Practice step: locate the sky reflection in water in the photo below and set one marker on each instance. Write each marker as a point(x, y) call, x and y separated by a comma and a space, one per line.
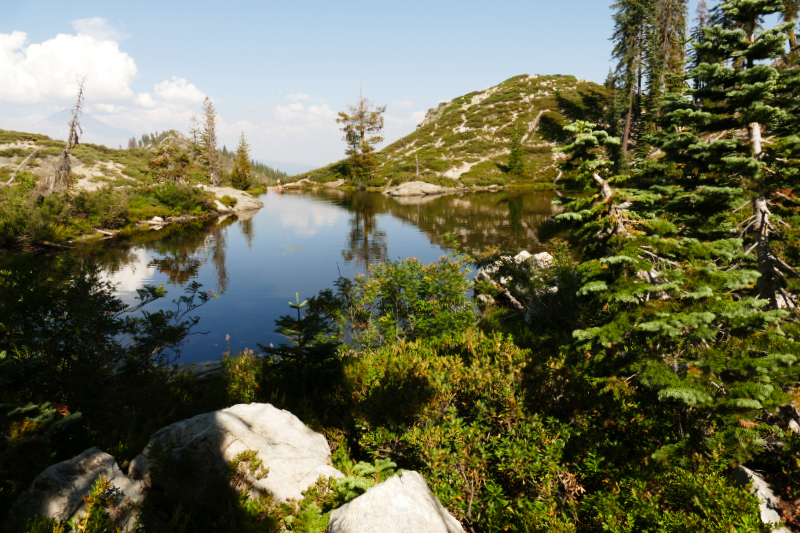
point(301, 243)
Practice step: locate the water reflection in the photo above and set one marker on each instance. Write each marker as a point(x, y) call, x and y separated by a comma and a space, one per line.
point(366, 243)
point(507, 220)
point(297, 243)
point(219, 255)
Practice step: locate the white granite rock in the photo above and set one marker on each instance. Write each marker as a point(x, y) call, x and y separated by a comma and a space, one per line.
point(295, 455)
point(401, 504)
point(418, 188)
point(767, 501)
point(58, 491)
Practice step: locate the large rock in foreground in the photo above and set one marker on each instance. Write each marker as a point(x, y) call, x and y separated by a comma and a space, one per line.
point(768, 502)
point(418, 188)
point(401, 504)
point(58, 491)
point(295, 455)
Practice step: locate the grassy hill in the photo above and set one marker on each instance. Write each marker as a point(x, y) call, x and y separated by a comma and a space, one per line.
point(113, 189)
point(466, 141)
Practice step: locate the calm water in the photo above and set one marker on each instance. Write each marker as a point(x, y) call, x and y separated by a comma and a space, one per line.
point(301, 243)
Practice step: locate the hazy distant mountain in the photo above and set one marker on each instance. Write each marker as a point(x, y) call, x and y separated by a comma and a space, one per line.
point(94, 131)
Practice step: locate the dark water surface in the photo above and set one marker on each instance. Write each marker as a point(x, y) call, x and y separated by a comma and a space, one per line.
point(301, 242)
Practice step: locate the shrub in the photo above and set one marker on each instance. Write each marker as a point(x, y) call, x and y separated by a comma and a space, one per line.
point(228, 201)
point(104, 208)
point(77, 370)
point(402, 300)
point(672, 501)
point(25, 180)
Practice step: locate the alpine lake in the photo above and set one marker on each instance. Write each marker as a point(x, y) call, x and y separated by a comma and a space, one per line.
point(301, 242)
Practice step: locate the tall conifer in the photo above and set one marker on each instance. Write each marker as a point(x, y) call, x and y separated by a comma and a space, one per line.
point(208, 143)
point(691, 293)
point(241, 175)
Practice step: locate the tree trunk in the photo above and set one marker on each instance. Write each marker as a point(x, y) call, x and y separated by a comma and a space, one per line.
point(616, 213)
point(61, 178)
point(626, 134)
point(768, 283)
point(755, 140)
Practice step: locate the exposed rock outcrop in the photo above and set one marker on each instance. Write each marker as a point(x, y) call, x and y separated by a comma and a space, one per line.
point(502, 273)
point(58, 491)
point(418, 188)
point(401, 504)
point(244, 201)
point(295, 455)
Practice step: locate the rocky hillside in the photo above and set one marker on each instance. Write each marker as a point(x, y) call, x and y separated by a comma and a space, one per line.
point(468, 139)
point(95, 166)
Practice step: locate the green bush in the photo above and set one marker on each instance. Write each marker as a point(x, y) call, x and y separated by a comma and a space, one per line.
point(228, 201)
point(169, 199)
point(104, 208)
point(25, 180)
point(77, 370)
point(402, 300)
point(673, 501)
point(26, 216)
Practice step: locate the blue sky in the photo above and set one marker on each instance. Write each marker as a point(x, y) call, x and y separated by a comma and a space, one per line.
point(279, 71)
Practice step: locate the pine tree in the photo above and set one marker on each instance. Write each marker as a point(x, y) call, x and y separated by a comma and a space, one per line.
point(789, 14)
point(741, 97)
point(631, 24)
point(701, 20)
point(362, 125)
point(516, 164)
point(671, 25)
point(674, 297)
point(208, 143)
point(241, 176)
point(169, 163)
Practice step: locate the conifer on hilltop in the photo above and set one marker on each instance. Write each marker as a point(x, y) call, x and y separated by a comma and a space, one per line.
point(362, 125)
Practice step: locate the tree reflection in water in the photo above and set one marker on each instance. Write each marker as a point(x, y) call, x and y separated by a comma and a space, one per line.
point(366, 243)
point(184, 252)
point(219, 254)
point(247, 227)
point(516, 208)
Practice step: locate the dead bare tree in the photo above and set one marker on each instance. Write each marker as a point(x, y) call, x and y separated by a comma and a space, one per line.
point(61, 179)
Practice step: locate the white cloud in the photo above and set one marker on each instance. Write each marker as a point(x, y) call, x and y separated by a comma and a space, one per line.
point(145, 100)
point(179, 90)
point(299, 114)
point(105, 108)
point(46, 73)
point(405, 104)
point(98, 28)
point(43, 75)
point(298, 96)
